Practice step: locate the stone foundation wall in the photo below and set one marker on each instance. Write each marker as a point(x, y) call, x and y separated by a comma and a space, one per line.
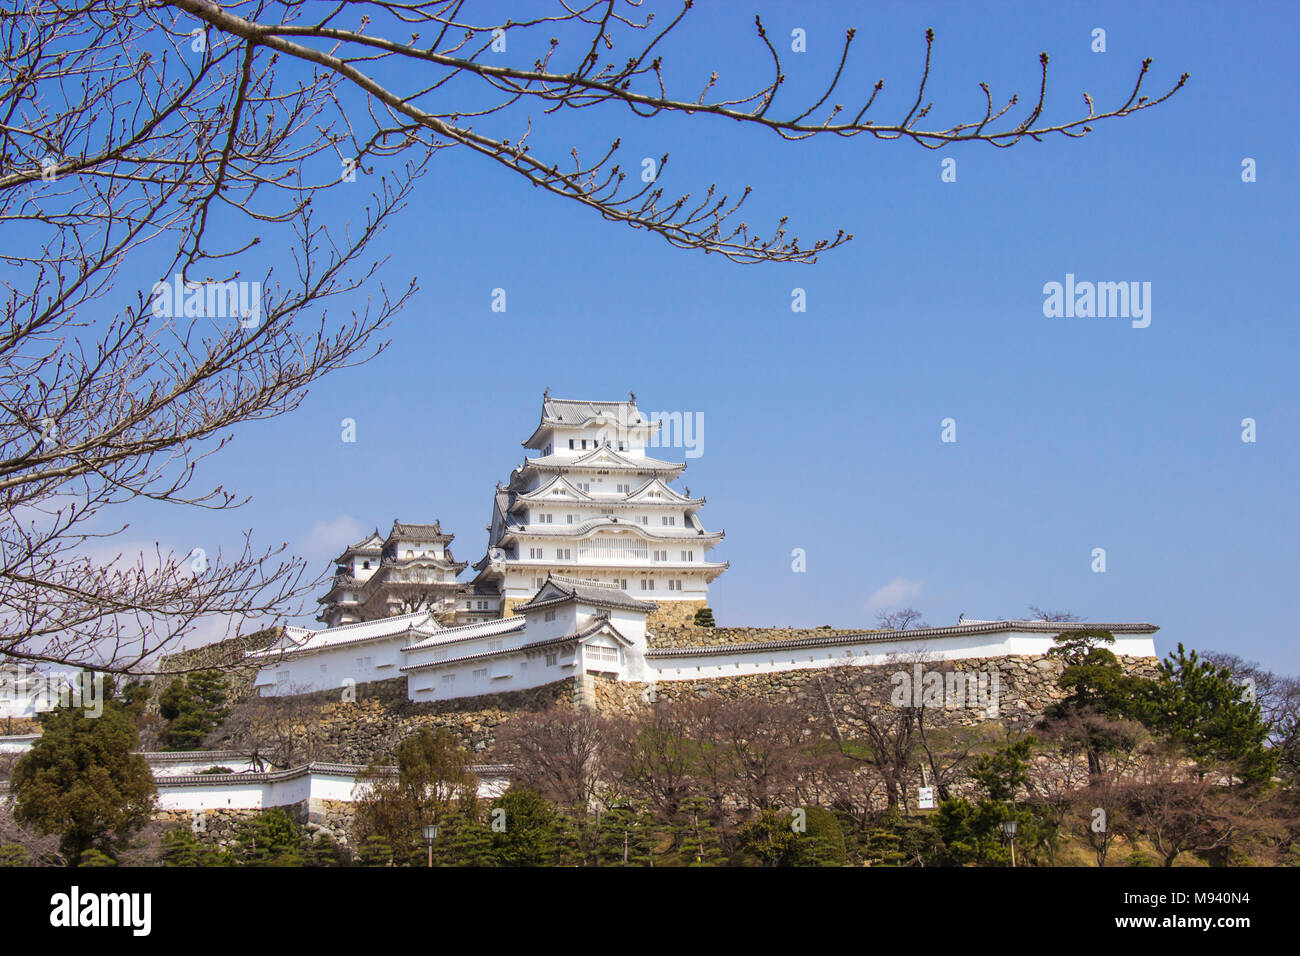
point(1026, 686)
point(220, 825)
point(380, 717)
point(226, 656)
point(674, 614)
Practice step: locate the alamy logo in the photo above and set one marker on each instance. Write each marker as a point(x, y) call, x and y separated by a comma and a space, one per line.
point(182, 298)
point(25, 692)
point(73, 909)
point(1103, 300)
point(948, 689)
point(676, 430)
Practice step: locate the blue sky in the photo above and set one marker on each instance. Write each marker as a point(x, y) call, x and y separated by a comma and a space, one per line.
point(822, 429)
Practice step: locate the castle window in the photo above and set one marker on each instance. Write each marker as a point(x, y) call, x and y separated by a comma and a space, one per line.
point(550, 660)
point(365, 565)
point(550, 615)
point(449, 678)
point(661, 555)
point(647, 584)
point(571, 444)
point(480, 673)
point(622, 583)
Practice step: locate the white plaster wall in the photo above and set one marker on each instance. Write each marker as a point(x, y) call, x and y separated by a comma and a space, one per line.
point(504, 674)
point(962, 647)
point(256, 795)
point(304, 673)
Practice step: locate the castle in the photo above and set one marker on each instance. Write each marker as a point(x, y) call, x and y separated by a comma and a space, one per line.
point(594, 569)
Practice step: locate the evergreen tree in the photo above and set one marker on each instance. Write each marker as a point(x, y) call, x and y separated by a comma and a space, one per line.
point(14, 854)
point(704, 617)
point(1096, 686)
point(180, 847)
point(770, 837)
point(972, 831)
point(528, 836)
point(269, 839)
point(1198, 705)
point(822, 842)
point(193, 706)
point(83, 780)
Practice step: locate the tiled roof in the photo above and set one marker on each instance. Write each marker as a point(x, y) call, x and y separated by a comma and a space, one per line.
point(349, 634)
point(586, 592)
point(370, 544)
point(506, 651)
point(649, 532)
point(186, 756)
point(342, 769)
point(621, 462)
point(453, 635)
point(418, 532)
point(564, 411)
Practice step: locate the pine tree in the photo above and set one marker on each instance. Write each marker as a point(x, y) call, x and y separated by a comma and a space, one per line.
point(194, 706)
point(1198, 705)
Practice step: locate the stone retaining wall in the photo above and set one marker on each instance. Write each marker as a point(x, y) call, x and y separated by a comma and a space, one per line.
point(673, 614)
point(1026, 686)
point(380, 717)
point(220, 825)
point(226, 656)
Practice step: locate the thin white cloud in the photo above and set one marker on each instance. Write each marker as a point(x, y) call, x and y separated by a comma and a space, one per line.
point(327, 538)
point(896, 592)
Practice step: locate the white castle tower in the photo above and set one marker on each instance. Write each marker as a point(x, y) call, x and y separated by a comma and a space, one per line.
point(593, 506)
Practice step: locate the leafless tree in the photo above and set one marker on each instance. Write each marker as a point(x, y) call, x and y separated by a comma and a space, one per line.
point(651, 756)
point(35, 850)
point(768, 748)
point(194, 143)
point(901, 620)
point(868, 730)
point(1041, 615)
point(557, 752)
point(1178, 809)
point(282, 731)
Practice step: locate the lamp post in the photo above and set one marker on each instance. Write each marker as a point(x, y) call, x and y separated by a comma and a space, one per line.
point(430, 835)
point(1009, 829)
